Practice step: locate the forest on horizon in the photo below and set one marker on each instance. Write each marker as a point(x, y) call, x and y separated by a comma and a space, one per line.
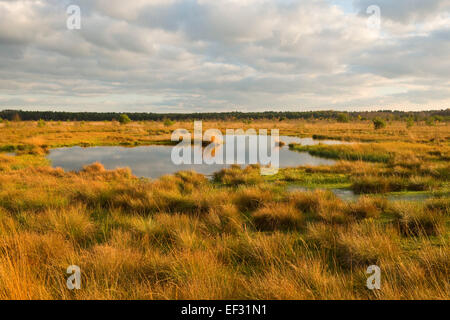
point(343, 116)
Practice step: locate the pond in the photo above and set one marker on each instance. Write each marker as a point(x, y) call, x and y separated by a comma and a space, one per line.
point(154, 161)
point(349, 195)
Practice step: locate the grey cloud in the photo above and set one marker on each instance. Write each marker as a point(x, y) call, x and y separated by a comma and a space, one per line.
point(210, 55)
point(419, 56)
point(406, 11)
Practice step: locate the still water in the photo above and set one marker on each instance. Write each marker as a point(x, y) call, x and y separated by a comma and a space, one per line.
point(349, 195)
point(155, 161)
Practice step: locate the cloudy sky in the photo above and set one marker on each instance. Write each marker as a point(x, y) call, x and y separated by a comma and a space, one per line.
point(225, 55)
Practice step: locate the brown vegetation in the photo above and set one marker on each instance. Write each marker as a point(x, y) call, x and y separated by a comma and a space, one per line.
point(239, 236)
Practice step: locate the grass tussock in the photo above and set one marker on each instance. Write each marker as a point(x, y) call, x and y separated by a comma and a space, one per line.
point(235, 175)
point(380, 184)
point(250, 199)
point(414, 220)
point(321, 206)
point(283, 217)
point(365, 207)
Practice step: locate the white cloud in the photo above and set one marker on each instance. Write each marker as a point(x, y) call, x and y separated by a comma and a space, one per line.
point(217, 55)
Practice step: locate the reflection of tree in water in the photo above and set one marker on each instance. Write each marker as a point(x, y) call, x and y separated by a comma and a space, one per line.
point(211, 150)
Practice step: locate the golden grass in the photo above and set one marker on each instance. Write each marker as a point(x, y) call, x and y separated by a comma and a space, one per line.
point(148, 132)
point(264, 244)
point(238, 237)
point(277, 216)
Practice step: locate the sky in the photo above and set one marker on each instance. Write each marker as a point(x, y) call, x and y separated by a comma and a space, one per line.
point(225, 55)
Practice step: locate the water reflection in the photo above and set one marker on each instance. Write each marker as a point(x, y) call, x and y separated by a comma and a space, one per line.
point(349, 195)
point(155, 161)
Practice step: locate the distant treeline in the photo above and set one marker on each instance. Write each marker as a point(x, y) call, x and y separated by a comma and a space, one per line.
point(12, 115)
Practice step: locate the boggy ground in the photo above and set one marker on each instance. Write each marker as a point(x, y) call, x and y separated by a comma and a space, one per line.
point(23, 135)
point(238, 236)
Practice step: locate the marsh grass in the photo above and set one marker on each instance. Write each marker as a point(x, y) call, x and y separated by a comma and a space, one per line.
point(364, 207)
point(252, 198)
point(420, 221)
point(283, 217)
point(305, 245)
point(359, 152)
point(385, 184)
point(239, 237)
point(396, 166)
point(237, 176)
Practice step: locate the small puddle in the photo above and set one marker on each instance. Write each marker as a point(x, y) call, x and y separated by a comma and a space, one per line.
point(349, 195)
